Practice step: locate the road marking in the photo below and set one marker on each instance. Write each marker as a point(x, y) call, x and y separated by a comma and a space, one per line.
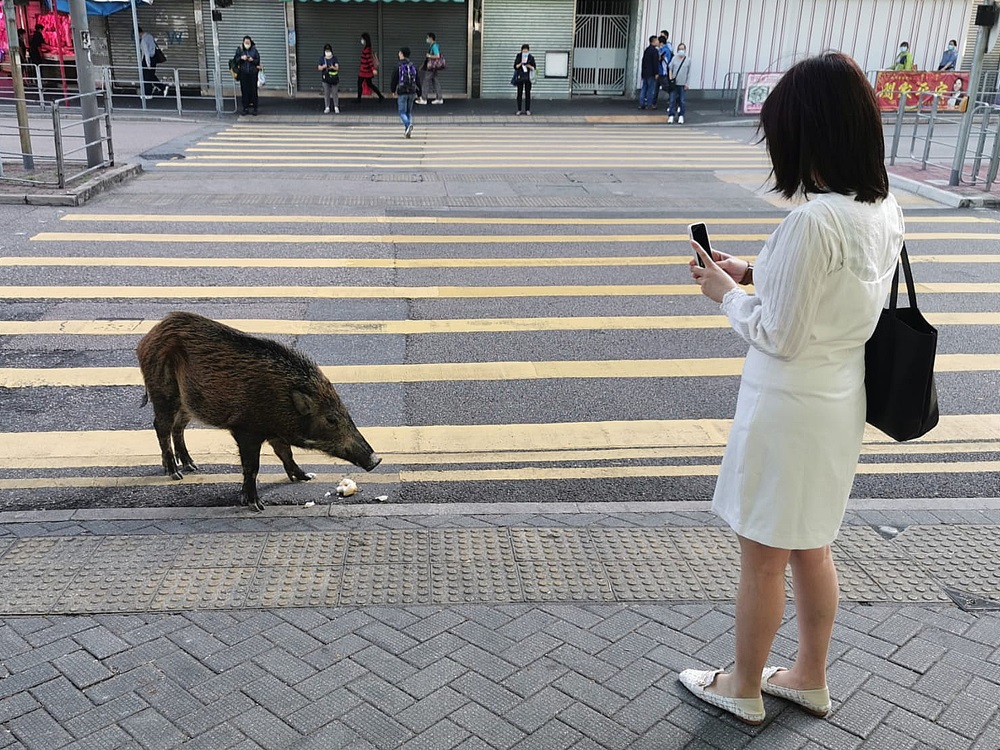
point(444, 440)
point(62, 377)
point(472, 220)
point(404, 292)
point(496, 457)
point(437, 239)
point(421, 163)
point(614, 261)
point(522, 474)
point(432, 326)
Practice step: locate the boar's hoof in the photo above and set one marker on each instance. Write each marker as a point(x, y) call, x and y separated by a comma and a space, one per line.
point(304, 476)
point(176, 474)
point(254, 504)
point(190, 466)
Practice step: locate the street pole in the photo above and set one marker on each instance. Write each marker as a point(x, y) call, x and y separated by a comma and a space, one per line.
point(982, 41)
point(138, 55)
point(85, 81)
point(27, 160)
point(218, 63)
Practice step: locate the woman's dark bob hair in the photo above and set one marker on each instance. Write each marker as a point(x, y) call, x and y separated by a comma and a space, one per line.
point(823, 130)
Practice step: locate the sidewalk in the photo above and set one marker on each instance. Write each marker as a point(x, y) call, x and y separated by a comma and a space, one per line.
point(472, 627)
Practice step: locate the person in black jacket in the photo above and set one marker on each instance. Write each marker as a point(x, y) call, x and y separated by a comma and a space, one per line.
point(524, 71)
point(248, 66)
point(650, 74)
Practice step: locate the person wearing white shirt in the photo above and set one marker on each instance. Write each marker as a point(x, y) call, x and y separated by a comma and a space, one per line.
point(147, 48)
point(820, 283)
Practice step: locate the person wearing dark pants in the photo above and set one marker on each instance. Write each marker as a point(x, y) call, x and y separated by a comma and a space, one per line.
point(524, 71)
point(249, 67)
point(650, 73)
point(368, 69)
point(147, 46)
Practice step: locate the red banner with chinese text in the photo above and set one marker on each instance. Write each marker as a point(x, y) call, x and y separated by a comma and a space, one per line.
point(952, 86)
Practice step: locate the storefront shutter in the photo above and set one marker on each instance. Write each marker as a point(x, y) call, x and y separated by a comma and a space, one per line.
point(406, 25)
point(264, 21)
point(339, 25)
point(544, 26)
point(171, 22)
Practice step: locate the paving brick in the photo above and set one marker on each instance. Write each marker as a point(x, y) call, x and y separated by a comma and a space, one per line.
point(195, 641)
point(152, 730)
point(291, 639)
point(107, 714)
point(38, 730)
point(227, 683)
point(109, 738)
point(861, 713)
point(140, 655)
point(554, 735)
point(377, 728)
point(482, 637)
point(435, 648)
point(382, 663)
point(527, 624)
point(534, 677)
point(692, 716)
point(636, 678)
point(583, 662)
point(918, 655)
point(887, 738)
point(643, 711)
point(265, 729)
point(425, 712)
point(925, 731)
point(40, 655)
point(100, 642)
point(598, 727)
point(874, 665)
point(435, 676)
point(274, 695)
point(333, 736)
point(284, 666)
point(444, 735)
point(904, 697)
point(536, 711)
point(433, 624)
point(237, 654)
point(221, 737)
point(530, 650)
point(17, 705)
point(591, 693)
point(942, 682)
point(334, 651)
point(665, 736)
point(328, 680)
point(967, 715)
point(483, 663)
point(343, 624)
point(60, 628)
point(627, 649)
point(486, 693)
point(62, 699)
point(382, 694)
point(578, 637)
point(487, 725)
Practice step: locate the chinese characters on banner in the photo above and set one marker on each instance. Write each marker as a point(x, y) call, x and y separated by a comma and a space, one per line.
point(952, 86)
point(756, 89)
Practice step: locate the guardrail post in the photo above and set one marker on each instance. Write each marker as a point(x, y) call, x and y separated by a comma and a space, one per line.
point(107, 129)
point(177, 91)
point(991, 172)
point(39, 82)
point(108, 89)
point(57, 136)
point(930, 132)
point(897, 130)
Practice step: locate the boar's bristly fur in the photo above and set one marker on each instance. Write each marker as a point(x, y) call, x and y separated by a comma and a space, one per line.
point(259, 390)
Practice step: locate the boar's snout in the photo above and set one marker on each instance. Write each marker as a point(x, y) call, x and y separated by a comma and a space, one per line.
point(373, 460)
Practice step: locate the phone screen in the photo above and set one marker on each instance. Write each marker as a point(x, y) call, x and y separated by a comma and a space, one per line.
point(699, 233)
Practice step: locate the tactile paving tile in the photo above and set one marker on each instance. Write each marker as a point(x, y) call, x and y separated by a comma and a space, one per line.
point(305, 548)
point(471, 545)
point(387, 546)
point(706, 543)
point(903, 581)
point(961, 557)
point(646, 580)
point(28, 591)
point(220, 550)
point(718, 576)
point(855, 583)
point(864, 543)
point(146, 551)
point(305, 586)
point(386, 584)
point(572, 580)
point(5, 544)
point(551, 544)
point(110, 591)
point(463, 582)
point(207, 588)
point(54, 552)
point(614, 544)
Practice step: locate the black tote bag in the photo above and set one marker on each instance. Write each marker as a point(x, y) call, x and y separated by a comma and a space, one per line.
point(899, 367)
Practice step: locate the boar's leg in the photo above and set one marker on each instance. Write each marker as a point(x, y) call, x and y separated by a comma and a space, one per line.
point(284, 451)
point(180, 447)
point(163, 423)
point(249, 446)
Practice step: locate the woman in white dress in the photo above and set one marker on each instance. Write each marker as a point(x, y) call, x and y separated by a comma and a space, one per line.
point(820, 283)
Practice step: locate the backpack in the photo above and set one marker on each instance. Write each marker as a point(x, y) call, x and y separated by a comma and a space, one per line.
point(407, 78)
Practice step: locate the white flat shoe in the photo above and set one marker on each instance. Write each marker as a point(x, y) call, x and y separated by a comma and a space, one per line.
point(747, 710)
point(816, 702)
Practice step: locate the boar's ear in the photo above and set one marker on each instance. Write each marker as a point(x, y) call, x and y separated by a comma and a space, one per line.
point(304, 404)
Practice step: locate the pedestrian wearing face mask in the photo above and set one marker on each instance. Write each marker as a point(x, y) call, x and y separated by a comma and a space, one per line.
point(949, 60)
point(329, 69)
point(678, 73)
point(247, 61)
point(904, 58)
point(369, 69)
point(433, 64)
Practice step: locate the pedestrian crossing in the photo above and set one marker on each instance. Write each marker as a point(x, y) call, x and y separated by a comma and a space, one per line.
point(483, 342)
point(453, 147)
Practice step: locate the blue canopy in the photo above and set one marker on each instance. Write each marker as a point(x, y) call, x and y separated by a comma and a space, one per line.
point(99, 7)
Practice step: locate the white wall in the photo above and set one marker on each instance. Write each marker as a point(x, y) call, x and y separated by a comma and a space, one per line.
point(770, 35)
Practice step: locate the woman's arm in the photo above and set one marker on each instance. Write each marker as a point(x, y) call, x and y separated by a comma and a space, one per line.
point(780, 322)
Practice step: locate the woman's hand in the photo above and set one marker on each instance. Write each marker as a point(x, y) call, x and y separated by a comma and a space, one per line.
point(713, 279)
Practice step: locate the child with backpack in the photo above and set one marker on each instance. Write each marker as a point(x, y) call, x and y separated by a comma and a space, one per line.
point(404, 86)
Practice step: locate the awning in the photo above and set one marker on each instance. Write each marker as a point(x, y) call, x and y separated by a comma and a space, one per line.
point(373, 1)
point(99, 7)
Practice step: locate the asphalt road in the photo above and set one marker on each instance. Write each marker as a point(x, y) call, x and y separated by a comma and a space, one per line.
point(506, 312)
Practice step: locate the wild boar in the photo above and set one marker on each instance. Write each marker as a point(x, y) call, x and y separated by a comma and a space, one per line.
point(257, 389)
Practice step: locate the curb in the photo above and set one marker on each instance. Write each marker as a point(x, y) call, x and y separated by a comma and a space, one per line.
point(78, 195)
point(945, 197)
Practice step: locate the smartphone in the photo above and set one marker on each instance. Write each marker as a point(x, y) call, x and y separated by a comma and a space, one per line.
point(699, 233)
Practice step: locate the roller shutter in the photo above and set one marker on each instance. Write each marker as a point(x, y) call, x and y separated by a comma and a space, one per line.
point(406, 24)
point(172, 23)
point(507, 24)
point(264, 21)
point(339, 25)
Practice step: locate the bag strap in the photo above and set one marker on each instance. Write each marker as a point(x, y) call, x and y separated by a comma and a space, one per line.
point(911, 291)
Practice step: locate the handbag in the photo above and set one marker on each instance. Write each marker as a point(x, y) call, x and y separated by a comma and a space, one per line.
point(261, 78)
point(159, 57)
point(899, 367)
point(436, 63)
point(513, 79)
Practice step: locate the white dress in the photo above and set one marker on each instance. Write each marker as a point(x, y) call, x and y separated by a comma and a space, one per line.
point(820, 281)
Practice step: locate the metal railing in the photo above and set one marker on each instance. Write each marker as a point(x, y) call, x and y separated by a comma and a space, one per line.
point(59, 143)
point(176, 89)
point(732, 86)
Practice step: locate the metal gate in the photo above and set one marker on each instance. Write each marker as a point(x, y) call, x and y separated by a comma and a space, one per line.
point(600, 54)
